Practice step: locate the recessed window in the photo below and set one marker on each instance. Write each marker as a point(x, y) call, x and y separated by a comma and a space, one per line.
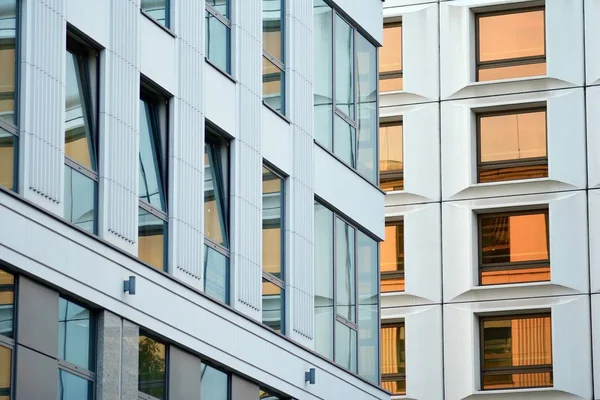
point(8, 124)
point(391, 156)
point(392, 258)
point(390, 58)
point(152, 367)
point(81, 135)
point(511, 44)
point(516, 352)
point(514, 247)
point(218, 34)
point(7, 342)
point(274, 54)
point(153, 217)
point(216, 217)
point(393, 358)
point(512, 145)
point(214, 383)
point(158, 10)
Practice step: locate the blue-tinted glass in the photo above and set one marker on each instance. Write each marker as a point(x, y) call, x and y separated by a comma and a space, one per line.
point(151, 239)
point(221, 6)
point(8, 144)
point(323, 281)
point(74, 334)
point(5, 372)
point(273, 86)
point(157, 9)
point(366, 69)
point(7, 303)
point(151, 186)
point(345, 141)
point(80, 195)
point(323, 78)
point(72, 387)
point(272, 15)
point(344, 67)
point(8, 23)
point(214, 384)
point(216, 274)
point(152, 366)
point(345, 346)
point(218, 39)
point(345, 279)
point(272, 305)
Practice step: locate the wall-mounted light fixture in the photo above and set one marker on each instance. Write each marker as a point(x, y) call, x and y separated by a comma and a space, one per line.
point(129, 285)
point(310, 376)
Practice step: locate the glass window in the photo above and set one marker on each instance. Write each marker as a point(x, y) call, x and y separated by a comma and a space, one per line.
point(5, 372)
point(390, 58)
point(272, 305)
point(79, 207)
point(344, 145)
point(73, 387)
point(511, 44)
point(218, 34)
point(324, 281)
point(517, 352)
point(152, 377)
point(75, 343)
point(514, 247)
point(345, 279)
point(8, 157)
point(391, 156)
point(345, 346)
point(7, 304)
point(392, 258)
point(344, 67)
point(323, 79)
point(8, 60)
point(273, 85)
point(512, 145)
point(393, 358)
point(152, 234)
point(158, 10)
point(366, 71)
point(216, 274)
point(214, 383)
point(273, 54)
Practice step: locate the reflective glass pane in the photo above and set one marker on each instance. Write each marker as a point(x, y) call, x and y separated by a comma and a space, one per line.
point(216, 184)
point(272, 305)
point(368, 308)
point(272, 13)
point(390, 55)
point(151, 185)
point(514, 71)
point(218, 43)
point(391, 147)
point(345, 141)
point(272, 233)
point(5, 372)
point(73, 387)
point(391, 83)
point(323, 281)
point(75, 334)
point(345, 278)
point(345, 346)
point(151, 239)
point(344, 66)
point(8, 143)
point(7, 303)
point(8, 25)
point(392, 258)
point(518, 380)
point(520, 275)
point(216, 274)
point(214, 383)
point(366, 69)
point(273, 85)
point(78, 135)
point(393, 358)
point(157, 9)
point(499, 173)
point(514, 35)
point(323, 79)
point(152, 367)
point(222, 6)
point(80, 204)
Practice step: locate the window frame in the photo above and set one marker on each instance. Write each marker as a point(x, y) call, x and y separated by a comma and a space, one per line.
point(395, 174)
point(228, 24)
point(518, 369)
point(280, 64)
point(391, 275)
point(503, 164)
point(167, 23)
point(507, 62)
point(508, 266)
point(147, 334)
point(395, 74)
point(222, 370)
point(395, 376)
point(10, 343)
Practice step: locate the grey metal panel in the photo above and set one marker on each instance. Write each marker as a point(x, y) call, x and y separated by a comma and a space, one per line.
point(184, 375)
point(242, 389)
point(37, 375)
point(37, 317)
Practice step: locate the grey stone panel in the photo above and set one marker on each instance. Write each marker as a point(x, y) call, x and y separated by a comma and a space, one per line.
point(242, 389)
point(37, 375)
point(129, 366)
point(184, 375)
point(109, 356)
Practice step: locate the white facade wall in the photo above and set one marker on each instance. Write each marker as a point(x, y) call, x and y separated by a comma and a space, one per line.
point(442, 301)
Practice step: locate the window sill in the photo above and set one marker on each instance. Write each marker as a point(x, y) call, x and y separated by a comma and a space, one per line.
point(161, 26)
point(227, 75)
point(515, 391)
point(394, 293)
point(511, 285)
point(499, 81)
point(280, 115)
point(505, 183)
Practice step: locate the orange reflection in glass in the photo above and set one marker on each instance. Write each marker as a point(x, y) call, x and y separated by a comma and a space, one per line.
point(391, 156)
point(392, 258)
point(7, 160)
point(391, 84)
point(513, 381)
point(515, 71)
point(506, 276)
point(390, 58)
point(500, 174)
point(393, 358)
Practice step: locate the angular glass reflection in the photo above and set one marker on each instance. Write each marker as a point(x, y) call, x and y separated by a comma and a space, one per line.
point(344, 66)
point(222, 6)
point(79, 144)
point(214, 383)
point(273, 83)
point(272, 13)
point(272, 305)
point(216, 274)
point(7, 301)
point(216, 184)
point(5, 372)
point(75, 334)
point(218, 42)
point(393, 358)
point(8, 143)
point(323, 281)
point(73, 387)
point(391, 156)
point(152, 367)
point(272, 234)
point(151, 184)
point(345, 279)
point(323, 79)
point(392, 258)
point(345, 346)
point(366, 70)
point(151, 239)
point(345, 141)
point(8, 29)
point(157, 9)
point(80, 200)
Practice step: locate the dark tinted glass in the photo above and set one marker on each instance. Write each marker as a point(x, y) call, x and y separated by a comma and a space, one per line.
point(75, 343)
point(214, 383)
point(151, 239)
point(152, 367)
point(80, 203)
point(7, 303)
point(73, 387)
